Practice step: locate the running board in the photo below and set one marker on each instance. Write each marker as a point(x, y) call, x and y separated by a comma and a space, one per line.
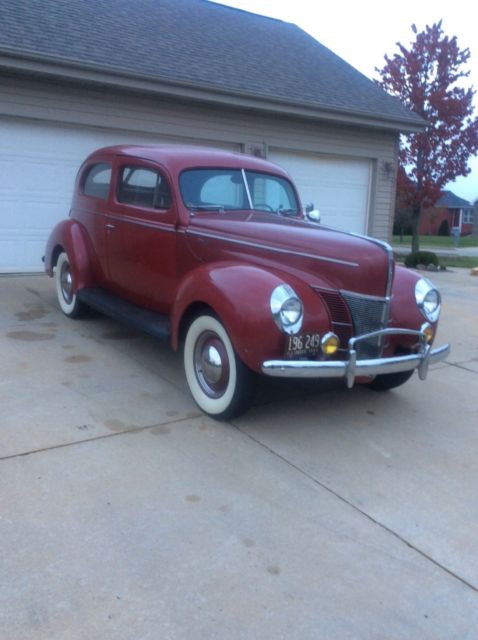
point(151, 322)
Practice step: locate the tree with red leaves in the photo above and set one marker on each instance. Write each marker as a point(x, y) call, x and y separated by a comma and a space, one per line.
point(424, 77)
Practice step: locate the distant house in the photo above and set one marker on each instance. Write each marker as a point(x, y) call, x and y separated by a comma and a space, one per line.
point(451, 212)
point(75, 76)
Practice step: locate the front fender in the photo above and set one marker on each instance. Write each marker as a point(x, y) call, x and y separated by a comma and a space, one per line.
point(70, 236)
point(405, 312)
point(404, 309)
point(240, 296)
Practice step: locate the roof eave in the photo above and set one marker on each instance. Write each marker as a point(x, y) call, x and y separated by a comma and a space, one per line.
point(68, 70)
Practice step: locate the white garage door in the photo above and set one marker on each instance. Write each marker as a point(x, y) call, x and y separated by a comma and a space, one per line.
point(338, 187)
point(38, 166)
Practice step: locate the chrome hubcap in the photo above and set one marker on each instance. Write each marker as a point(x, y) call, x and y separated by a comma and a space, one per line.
point(66, 283)
point(211, 364)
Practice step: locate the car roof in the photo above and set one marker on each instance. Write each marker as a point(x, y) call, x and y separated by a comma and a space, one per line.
point(179, 157)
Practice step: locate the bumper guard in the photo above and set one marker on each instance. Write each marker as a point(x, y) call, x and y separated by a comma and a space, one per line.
point(352, 368)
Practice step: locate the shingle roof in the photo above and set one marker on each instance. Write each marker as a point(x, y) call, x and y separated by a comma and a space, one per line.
point(451, 201)
point(196, 42)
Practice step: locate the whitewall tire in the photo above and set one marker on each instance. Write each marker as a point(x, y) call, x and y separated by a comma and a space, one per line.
point(219, 382)
point(67, 298)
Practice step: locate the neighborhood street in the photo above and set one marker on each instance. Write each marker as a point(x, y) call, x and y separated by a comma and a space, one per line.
point(322, 513)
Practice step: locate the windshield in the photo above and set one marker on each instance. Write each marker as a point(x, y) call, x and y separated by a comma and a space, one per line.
point(236, 189)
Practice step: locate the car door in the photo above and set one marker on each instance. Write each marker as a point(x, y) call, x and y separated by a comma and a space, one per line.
point(141, 234)
point(90, 206)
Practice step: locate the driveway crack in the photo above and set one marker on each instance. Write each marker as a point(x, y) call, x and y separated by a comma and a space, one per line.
point(103, 436)
point(353, 506)
point(461, 365)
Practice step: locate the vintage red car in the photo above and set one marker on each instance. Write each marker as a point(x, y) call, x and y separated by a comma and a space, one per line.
point(213, 251)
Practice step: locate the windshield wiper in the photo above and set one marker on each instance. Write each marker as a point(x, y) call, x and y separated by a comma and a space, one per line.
point(206, 207)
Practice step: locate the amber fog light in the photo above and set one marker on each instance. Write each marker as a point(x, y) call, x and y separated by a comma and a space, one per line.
point(329, 343)
point(427, 329)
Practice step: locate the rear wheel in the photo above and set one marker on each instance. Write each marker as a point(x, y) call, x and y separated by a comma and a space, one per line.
point(67, 298)
point(390, 380)
point(219, 381)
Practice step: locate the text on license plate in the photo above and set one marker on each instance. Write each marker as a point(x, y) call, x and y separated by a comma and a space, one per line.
point(306, 344)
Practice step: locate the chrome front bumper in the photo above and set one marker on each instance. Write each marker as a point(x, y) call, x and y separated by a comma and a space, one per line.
point(353, 368)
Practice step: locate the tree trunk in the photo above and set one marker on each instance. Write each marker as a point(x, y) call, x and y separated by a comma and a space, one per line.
point(416, 211)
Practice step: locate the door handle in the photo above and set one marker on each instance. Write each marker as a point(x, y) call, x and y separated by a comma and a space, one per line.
point(110, 226)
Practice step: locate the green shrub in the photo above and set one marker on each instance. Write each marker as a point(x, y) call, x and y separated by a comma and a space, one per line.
point(421, 257)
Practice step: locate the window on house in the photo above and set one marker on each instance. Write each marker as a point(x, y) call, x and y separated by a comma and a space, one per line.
point(143, 187)
point(96, 181)
point(467, 216)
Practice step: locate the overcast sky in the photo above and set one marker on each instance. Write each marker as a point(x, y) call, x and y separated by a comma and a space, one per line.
point(363, 31)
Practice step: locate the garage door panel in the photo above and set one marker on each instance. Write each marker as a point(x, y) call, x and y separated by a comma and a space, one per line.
point(26, 253)
point(37, 174)
point(338, 187)
point(8, 248)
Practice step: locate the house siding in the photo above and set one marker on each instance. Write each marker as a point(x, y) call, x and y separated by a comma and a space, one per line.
point(245, 130)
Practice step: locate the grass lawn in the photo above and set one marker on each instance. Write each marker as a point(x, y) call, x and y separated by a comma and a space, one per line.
point(457, 261)
point(437, 241)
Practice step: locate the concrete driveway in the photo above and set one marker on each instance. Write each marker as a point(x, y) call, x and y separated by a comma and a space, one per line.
point(321, 514)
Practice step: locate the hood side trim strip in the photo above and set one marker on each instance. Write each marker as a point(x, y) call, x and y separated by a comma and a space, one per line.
point(255, 245)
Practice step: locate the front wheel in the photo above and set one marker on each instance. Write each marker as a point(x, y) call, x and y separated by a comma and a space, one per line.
point(389, 380)
point(219, 381)
point(67, 298)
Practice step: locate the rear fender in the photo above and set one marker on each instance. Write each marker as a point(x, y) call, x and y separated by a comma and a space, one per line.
point(70, 236)
point(240, 296)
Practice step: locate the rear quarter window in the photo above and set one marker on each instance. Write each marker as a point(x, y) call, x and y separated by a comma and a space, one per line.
point(96, 180)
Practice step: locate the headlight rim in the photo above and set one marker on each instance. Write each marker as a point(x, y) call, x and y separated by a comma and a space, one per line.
point(424, 288)
point(281, 295)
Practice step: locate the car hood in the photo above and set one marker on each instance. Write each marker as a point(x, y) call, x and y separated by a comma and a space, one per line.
point(321, 256)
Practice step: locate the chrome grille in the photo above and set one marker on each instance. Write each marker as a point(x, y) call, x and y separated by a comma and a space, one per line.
point(354, 315)
point(368, 314)
point(341, 320)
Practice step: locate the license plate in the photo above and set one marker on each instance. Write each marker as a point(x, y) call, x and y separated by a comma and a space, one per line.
point(304, 345)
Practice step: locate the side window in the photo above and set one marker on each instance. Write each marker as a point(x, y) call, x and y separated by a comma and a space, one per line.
point(143, 187)
point(96, 181)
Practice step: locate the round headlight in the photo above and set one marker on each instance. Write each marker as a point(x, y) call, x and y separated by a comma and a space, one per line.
point(428, 299)
point(287, 309)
